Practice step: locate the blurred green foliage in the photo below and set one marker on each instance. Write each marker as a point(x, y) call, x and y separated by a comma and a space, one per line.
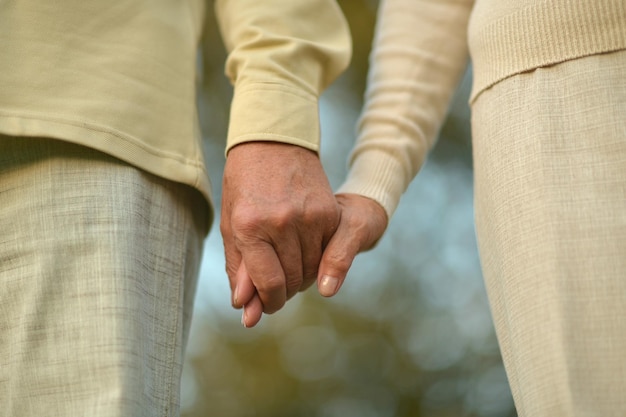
point(410, 333)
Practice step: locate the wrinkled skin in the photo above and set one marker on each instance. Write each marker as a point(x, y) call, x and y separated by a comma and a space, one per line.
point(283, 229)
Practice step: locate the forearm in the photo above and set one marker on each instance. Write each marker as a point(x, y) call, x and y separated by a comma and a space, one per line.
point(418, 57)
point(278, 210)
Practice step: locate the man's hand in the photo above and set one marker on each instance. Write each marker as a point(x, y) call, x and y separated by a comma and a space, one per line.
point(278, 213)
point(363, 222)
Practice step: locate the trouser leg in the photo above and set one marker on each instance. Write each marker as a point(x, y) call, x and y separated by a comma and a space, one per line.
point(98, 265)
point(550, 183)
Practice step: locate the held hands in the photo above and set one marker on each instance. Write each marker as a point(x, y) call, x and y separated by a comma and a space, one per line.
point(283, 229)
point(278, 213)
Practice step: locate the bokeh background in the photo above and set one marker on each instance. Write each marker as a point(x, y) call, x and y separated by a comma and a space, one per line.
point(410, 333)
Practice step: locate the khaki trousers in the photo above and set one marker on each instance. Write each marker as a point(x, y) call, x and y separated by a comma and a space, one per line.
point(98, 265)
point(550, 189)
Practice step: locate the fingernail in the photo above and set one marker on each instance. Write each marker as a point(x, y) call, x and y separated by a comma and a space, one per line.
point(243, 318)
point(236, 295)
point(328, 285)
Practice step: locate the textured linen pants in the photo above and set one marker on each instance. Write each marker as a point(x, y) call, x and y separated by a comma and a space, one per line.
point(98, 265)
point(550, 190)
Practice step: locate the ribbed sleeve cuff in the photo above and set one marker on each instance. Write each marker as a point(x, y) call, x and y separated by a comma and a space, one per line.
point(276, 113)
point(377, 175)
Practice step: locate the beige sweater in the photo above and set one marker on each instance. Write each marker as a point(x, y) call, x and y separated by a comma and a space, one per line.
point(120, 76)
point(420, 51)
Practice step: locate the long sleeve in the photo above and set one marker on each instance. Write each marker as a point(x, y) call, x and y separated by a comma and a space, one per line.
point(282, 54)
point(418, 57)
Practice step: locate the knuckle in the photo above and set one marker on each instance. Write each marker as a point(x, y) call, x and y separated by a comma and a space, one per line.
point(272, 293)
point(245, 218)
point(225, 228)
point(340, 260)
point(320, 212)
point(270, 286)
point(283, 216)
point(249, 221)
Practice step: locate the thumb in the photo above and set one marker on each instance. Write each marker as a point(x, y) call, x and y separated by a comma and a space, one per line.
point(336, 260)
point(362, 223)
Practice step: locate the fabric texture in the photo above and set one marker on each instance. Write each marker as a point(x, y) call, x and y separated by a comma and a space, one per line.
point(550, 191)
point(121, 77)
point(98, 267)
point(413, 72)
point(507, 37)
point(549, 137)
point(101, 230)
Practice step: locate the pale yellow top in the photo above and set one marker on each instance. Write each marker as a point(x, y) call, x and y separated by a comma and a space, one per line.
point(420, 51)
point(120, 76)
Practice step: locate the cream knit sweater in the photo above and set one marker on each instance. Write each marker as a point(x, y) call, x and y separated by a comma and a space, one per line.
point(420, 51)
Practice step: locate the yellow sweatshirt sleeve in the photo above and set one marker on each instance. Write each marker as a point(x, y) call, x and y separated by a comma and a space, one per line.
point(282, 54)
point(418, 56)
